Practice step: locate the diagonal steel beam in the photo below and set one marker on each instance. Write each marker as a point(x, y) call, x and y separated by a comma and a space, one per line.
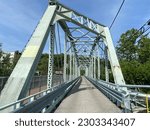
point(18, 83)
point(65, 27)
point(80, 20)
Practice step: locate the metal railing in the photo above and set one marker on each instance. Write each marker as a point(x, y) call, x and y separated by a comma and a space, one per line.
point(38, 83)
point(109, 90)
point(139, 102)
point(44, 101)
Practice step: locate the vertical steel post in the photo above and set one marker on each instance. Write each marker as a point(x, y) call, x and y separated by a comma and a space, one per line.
point(76, 70)
point(79, 74)
point(95, 64)
point(86, 71)
point(92, 68)
point(65, 58)
point(106, 65)
point(76, 66)
point(70, 75)
point(116, 69)
point(1, 58)
point(73, 67)
point(98, 58)
point(51, 57)
point(89, 73)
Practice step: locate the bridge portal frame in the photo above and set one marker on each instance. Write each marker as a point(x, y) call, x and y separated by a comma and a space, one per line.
point(17, 85)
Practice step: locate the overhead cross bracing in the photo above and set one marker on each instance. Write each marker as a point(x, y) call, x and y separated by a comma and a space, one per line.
point(86, 43)
point(100, 31)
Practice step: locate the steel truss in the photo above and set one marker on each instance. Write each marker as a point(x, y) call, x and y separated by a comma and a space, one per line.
point(83, 40)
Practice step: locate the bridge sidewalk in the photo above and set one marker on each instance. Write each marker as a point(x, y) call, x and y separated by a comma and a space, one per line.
point(86, 99)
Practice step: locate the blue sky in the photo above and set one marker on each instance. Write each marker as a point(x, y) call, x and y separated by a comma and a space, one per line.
point(18, 18)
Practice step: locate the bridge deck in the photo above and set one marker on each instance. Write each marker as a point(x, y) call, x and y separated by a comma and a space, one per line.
point(86, 99)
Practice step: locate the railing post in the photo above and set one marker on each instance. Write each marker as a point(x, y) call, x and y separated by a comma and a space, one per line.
point(17, 106)
point(127, 103)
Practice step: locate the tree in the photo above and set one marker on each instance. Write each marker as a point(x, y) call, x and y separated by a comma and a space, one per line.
point(144, 49)
point(127, 50)
point(16, 58)
point(6, 65)
point(43, 65)
point(134, 57)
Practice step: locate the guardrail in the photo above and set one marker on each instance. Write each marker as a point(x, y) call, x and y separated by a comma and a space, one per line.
point(138, 101)
point(109, 90)
point(44, 101)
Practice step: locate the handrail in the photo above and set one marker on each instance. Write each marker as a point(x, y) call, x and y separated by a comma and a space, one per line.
point(135, 86)
point(113, 91)
point(29, 97)
point(51, 94)
point(126, 85)
point(113, 94)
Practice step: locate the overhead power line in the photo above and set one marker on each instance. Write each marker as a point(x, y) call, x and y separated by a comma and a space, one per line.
point(117, 14)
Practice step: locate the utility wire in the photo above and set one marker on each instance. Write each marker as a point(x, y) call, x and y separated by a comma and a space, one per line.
point(117, 14)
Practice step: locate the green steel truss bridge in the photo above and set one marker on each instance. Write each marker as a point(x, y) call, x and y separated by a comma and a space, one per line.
point(85, 42)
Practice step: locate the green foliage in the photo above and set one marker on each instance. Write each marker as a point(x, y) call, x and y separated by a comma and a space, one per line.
point(5, 65)
point(82, 72)
point(129, 69)
point(16, 58)
point(127, 49)
point(43, 63)
point(58, 62)
point(135, 58)
point(144, 49)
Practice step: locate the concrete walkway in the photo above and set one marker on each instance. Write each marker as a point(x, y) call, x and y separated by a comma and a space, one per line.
point(86, 99)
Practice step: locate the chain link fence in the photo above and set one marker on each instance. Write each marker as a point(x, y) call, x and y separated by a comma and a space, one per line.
point(38, 83)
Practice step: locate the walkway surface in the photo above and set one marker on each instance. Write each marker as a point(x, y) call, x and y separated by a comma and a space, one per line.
point(86, 99)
